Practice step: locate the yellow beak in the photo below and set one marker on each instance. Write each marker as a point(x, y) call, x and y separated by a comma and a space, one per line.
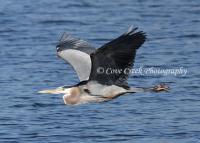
point(52, 91)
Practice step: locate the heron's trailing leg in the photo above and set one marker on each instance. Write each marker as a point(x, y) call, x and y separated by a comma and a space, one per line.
point(160, 87)
point(157, 88)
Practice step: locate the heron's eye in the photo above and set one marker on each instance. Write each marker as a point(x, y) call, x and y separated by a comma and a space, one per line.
point(86, 90)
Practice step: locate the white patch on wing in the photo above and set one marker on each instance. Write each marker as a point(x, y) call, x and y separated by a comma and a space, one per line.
point(80, 61)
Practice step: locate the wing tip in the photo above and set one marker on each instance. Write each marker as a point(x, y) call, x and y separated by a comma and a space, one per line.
point(68, 41)
point(133, 30)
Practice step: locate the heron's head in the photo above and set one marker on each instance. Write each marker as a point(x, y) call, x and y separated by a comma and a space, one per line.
point(71, 95)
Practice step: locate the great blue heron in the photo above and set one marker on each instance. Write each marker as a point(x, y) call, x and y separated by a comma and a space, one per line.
point(98, 86)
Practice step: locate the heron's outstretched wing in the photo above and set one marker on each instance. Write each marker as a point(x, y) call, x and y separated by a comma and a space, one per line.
point(76, 52)
point(111, 62)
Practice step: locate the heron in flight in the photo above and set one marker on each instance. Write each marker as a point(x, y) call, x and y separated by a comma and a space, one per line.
point(90, 65)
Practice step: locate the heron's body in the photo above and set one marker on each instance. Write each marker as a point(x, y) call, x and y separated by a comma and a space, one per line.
point(86, 61)
point(92, 92)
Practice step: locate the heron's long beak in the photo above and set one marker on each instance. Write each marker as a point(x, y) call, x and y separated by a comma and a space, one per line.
point(52, 91)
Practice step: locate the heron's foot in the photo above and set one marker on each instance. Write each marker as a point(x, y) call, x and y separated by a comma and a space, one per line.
point(161, 87)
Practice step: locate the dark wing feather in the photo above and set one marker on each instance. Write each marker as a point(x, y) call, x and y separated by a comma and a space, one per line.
point(69, 42)
point(118, 54)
